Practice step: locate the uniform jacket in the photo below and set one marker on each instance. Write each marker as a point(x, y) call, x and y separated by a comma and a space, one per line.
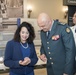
point(13, 54)
point(59, 49)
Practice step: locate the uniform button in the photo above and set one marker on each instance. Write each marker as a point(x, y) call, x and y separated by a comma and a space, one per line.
point(52, 63)
point(48, 48)
point(50, 58)
point(49, 52)
point(47, 42)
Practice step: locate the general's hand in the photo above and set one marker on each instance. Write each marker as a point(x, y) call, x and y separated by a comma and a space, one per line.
point(43, 57)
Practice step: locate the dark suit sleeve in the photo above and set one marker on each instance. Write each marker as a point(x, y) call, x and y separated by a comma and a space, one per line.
point(69, 44)
point(8, 57)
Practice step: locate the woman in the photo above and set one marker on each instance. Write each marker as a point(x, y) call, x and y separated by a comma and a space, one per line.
point(20, 55)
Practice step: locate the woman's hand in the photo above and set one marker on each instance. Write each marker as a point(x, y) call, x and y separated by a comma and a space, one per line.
point(26, 61)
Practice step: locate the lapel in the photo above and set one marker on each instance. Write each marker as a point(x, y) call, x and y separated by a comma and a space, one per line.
point(53, 30)
point(45, 36)
point(17, 47)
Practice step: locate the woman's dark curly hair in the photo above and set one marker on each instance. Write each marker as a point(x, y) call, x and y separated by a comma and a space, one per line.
point(30, 30)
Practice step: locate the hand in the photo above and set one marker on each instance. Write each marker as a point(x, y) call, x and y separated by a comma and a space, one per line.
point(20, 62)
point(25, 62)
point(43, 58)
point(65, 74)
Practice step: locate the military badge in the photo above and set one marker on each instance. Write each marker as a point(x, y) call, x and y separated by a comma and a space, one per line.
point(56, 37)
point(67, 30)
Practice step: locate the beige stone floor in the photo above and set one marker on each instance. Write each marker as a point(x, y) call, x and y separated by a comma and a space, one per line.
point(37, 72)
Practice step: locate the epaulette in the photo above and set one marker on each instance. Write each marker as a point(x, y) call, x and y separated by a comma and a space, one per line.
point(63, 24)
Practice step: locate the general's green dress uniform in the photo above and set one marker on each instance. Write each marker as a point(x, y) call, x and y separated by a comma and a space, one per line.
point(59, 49)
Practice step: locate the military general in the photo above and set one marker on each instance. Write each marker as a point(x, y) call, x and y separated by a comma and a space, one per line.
point(57, 46)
